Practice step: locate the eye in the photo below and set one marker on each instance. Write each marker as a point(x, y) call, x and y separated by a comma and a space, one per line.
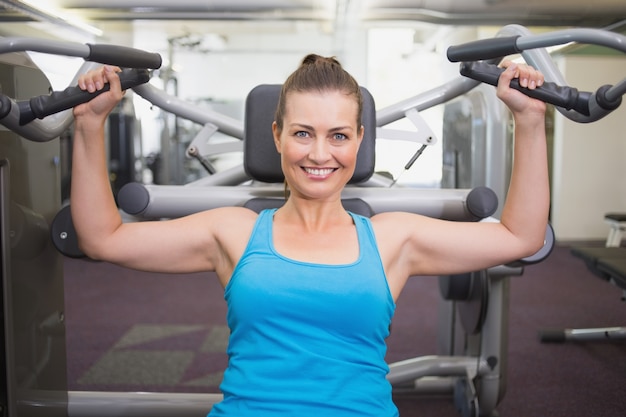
point(339, 137)
point(301, 134)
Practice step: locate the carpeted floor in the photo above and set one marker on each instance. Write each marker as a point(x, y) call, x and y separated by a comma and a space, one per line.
point(134, 331)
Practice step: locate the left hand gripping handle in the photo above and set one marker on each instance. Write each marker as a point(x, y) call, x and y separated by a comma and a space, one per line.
point(42, 106)
point(566, 97)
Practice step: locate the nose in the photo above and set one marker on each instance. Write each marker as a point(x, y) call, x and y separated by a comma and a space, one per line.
point(319, 151)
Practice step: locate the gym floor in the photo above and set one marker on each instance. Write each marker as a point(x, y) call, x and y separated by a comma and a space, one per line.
point(135, 331)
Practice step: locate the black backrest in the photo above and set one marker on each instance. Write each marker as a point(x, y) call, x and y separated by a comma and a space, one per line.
point(262, 161)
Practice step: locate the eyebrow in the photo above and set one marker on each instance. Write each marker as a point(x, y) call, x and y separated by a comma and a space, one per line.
point(334, 129)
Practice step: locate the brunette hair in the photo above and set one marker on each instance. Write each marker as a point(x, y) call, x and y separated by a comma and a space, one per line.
point(318, 73)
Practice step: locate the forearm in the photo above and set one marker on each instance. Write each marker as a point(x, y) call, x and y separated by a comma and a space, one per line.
point(94, 211)
point(526, 210)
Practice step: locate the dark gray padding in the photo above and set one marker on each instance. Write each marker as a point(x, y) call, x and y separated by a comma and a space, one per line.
point(261, 161)
point(64, 235)
point(593, 255)
point(615, 268)
point(618, 217)
point(355, 205)
point(261, 203)
point(481, 202)
point(133, 198)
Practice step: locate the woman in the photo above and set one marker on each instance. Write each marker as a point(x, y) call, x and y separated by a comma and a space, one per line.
point(310, 287)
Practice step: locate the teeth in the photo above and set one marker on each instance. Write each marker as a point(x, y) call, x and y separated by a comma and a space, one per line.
point(319, 171)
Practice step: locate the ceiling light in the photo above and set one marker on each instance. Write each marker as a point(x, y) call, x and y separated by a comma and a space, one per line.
point(39, 11)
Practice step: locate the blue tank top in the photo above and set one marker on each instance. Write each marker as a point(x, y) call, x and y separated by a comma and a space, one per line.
point(307, 339)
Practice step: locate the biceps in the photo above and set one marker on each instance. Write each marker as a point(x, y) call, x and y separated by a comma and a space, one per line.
point(172, 246)
point(444, 247)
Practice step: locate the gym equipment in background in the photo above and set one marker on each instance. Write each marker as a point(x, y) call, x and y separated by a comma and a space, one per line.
point(474, 376)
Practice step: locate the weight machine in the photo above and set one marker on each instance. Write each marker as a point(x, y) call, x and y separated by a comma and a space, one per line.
point(474, 376)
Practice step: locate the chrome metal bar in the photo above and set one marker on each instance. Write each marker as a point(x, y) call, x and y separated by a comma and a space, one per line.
point(139, 404)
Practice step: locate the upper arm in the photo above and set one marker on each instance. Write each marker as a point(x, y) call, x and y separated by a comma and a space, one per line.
point(412, 244)
point(206, 241)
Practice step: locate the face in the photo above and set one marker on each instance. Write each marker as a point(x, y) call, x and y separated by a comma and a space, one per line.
point(319, 142)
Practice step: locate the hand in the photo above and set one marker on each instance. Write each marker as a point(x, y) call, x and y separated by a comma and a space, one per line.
point(529, 78)
point(101, 105)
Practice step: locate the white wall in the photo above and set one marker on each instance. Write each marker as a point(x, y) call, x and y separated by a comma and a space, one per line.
point(385, 60)
point(589, 159)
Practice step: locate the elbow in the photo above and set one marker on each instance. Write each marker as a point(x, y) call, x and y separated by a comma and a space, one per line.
point(536, 244)
point(537, 248)
point(87, 251)
point(534, 247)
point(91, 250)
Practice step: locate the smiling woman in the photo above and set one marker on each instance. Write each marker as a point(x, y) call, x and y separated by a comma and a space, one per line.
point(310, 287)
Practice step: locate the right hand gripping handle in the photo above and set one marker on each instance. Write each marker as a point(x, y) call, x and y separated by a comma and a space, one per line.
point(42, 106)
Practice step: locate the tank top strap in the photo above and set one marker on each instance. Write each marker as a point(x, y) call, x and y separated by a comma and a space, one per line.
point(261, 237)
point(367, 238)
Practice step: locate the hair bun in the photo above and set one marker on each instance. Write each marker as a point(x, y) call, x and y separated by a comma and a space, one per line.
point(312, 59)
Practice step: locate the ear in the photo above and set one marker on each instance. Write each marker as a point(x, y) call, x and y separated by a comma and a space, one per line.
point(361, 135)
point(276, 134)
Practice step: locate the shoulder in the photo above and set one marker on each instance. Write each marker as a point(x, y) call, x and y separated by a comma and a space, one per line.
point(224, 226)
point(398, 236)
point(230, 219)
point(389, 227)
point(399, 228)
point(230, 229)
point(393, 219)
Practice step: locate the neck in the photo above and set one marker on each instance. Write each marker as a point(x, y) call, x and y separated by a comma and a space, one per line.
point(313, 215)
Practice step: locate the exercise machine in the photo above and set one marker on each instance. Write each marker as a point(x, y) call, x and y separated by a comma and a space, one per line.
point(609, 264)
point(474, 375)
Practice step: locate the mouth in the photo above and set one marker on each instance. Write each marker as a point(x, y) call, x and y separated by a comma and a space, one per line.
point(319, 172)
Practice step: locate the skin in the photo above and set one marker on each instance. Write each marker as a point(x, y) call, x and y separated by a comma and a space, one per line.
point(318, 146)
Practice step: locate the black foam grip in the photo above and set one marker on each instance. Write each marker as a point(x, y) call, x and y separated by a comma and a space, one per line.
point(481, 202)
point(483, 49)
point(123, 56)
point(133, 198)
point(42, 106)
point(566, 97)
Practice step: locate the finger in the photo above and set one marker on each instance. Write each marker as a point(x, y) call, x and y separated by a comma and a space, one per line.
point(529, 77)
point(536, 79)
point(91, 81)
point(511, 71)
point(524, 76)
point(110, 76)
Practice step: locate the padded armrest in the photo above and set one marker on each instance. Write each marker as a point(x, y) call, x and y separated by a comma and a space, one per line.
point(615, 268)
point(593, 255)
point(616, 217)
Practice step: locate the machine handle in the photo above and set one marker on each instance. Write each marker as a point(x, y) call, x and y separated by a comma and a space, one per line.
point(484, 49)
point(45, 105)
point(562, 96)
point(123, 56)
